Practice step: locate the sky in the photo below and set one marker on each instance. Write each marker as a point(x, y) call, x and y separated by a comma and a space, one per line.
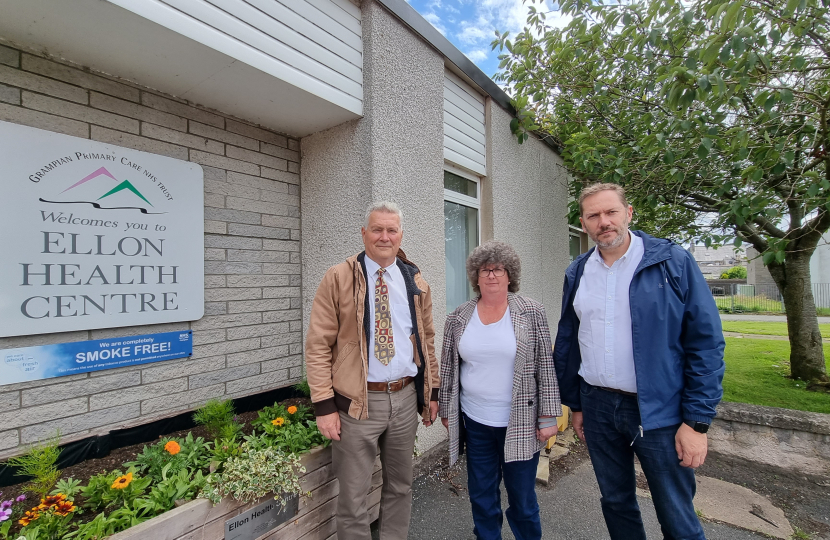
point(471, 25)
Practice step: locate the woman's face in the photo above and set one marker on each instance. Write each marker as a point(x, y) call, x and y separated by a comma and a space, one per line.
point(490, 284)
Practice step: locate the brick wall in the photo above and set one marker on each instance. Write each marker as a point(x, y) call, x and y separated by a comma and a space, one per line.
point(250, 339)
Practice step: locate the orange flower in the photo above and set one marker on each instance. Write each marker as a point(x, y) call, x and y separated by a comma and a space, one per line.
point(122, 481)
point(64, 508)
point(30, 516)
point(172, 448)
point(52, 500)
point(278, 421)
point(292, 409)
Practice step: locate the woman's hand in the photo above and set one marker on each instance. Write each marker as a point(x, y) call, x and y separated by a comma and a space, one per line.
point(446, 423)
point(545, 434)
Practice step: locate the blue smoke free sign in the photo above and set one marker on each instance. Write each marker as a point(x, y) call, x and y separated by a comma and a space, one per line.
point(46, 361)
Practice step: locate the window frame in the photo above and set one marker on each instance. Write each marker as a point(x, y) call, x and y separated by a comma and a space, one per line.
point(465, 200)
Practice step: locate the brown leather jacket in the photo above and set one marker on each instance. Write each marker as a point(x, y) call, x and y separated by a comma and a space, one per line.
point(336, 353)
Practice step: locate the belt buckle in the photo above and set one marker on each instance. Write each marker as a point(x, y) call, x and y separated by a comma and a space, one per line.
point(389, 386)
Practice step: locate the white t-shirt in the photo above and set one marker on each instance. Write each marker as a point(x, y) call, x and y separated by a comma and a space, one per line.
point(488, 353)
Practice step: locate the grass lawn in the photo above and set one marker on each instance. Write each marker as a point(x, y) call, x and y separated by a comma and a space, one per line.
point(766, 328)
point(757, 370)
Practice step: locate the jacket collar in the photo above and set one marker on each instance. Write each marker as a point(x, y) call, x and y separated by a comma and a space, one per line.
point(655, 250)
point(407, 268)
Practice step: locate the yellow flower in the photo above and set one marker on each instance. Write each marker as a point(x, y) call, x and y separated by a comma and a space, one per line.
point(122, 481)
point(278, 421)
point(172, 448)
point(292, 409)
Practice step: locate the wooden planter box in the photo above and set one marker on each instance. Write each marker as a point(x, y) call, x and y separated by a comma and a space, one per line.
point(315, 519)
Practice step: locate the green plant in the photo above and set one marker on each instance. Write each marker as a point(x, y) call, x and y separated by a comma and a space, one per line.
point(163, 496)
point(736, 272)
point(114, 489)
point(218, 418)
point(68, 486)
point(223, 449)
point(255, 474)
point(189, 453)
point(40, 463)
point(291, 428)
point(798, 534)
point(104, 525)
point(303, 388)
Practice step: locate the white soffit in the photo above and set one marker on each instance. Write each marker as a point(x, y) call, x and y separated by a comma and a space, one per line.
point(291, 65)
point(465, 140)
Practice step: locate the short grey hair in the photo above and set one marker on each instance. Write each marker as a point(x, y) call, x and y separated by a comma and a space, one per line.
point(495, 252)
point(383, 206)
point(593, 189)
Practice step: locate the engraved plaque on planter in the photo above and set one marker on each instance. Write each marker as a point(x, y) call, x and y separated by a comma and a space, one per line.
point(258, 520)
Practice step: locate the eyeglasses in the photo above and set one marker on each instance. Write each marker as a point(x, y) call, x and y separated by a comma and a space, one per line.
point(498, 272)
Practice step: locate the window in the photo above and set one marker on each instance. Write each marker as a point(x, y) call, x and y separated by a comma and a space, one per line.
point(461, 236)
point(575, 244)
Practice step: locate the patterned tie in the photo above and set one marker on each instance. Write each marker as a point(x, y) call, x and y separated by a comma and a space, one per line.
point(384, 345)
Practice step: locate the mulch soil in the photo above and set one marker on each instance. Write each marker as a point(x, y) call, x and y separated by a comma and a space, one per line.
point(85, 470)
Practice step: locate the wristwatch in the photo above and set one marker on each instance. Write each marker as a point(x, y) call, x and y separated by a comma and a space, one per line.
point(700, 427)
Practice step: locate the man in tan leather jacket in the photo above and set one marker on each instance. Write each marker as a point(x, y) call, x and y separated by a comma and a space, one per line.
point(371, 366)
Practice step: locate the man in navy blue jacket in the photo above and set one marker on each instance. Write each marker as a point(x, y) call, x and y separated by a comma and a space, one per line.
point(639, 357)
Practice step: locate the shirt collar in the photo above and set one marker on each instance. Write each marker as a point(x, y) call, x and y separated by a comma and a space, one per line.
point(372, 268)
point(628, 253)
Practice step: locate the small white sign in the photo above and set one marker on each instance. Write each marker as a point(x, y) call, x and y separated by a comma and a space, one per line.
point(95, 235)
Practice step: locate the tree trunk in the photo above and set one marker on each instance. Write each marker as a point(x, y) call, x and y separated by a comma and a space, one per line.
point(806, 348)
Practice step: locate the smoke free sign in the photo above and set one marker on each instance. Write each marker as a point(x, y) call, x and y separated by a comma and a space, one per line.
point(95, 235)
point(45, 361)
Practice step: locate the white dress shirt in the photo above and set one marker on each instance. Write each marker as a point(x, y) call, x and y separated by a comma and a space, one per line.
point(604, 312)
point(402, 363)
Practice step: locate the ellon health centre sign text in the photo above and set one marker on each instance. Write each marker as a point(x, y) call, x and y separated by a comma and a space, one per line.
point(95, 235)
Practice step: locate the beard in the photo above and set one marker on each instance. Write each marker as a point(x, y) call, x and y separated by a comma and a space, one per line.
point(616, 242)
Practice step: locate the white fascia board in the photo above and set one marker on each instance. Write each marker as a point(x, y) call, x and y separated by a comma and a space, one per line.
point(176, 21)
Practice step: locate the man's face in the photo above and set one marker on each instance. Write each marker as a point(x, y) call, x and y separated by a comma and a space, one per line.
point(382, 238)
point(605, 219)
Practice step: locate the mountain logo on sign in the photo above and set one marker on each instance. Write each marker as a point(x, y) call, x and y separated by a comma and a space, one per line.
point(126, 185)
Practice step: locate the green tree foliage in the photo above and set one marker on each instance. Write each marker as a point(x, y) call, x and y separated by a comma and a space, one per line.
point(736, 272)
point(717, 107)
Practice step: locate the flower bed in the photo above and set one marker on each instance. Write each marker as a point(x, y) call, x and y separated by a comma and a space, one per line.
point(243, 465)
point(200, 520)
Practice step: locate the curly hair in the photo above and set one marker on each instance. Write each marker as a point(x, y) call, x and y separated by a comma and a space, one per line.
point(495, 252)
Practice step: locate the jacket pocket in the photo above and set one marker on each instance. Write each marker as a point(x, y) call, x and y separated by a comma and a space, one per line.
point(343, 354)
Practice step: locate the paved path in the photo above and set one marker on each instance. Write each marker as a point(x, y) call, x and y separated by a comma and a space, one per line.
point(763, 318)
point(763, 336)
point(570, 510)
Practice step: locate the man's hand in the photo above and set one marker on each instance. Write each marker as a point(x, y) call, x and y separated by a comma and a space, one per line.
point(691, 446)
point(329, 426)
point(576, 420)
point(433, 413)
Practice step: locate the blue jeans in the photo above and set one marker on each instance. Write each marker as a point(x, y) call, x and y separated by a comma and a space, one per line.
point(485, 469)
point(611, 423)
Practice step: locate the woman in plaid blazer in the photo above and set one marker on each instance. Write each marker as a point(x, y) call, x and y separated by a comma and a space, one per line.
point(499, 394)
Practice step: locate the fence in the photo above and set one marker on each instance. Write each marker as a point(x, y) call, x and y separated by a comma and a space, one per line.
point(765, 297)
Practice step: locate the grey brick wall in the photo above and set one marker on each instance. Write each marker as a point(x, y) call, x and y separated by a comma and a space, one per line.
point(250, 339)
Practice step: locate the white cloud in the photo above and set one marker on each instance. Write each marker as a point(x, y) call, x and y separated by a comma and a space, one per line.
point(477, 55)
point(435, 20)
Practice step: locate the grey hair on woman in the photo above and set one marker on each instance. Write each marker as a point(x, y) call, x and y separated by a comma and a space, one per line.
point(498, 253)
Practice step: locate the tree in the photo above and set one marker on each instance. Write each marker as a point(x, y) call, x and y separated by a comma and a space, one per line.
point(736, 272)
point(718, 107)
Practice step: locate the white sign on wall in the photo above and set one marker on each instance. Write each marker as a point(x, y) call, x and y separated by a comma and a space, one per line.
point(96, 236)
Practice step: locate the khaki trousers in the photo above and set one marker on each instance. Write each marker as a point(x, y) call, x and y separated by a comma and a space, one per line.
point(392, 424)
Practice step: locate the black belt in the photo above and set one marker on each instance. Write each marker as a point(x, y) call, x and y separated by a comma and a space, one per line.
point(617, 391)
